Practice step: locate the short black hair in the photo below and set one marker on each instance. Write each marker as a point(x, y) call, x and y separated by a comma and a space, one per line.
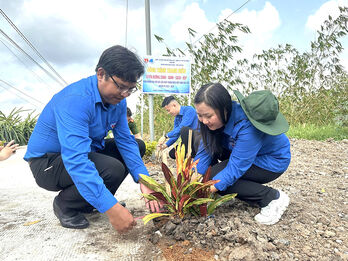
point(167, 100)
point(129, 112)
point(121, 62)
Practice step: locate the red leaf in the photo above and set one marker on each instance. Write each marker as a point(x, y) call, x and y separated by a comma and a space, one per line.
point(179, 180)
point(174, 192)
point(182, 201)
point(160, 196)
point(203, 209)
point(167, 173)
point(183, 185)
point(206, 176)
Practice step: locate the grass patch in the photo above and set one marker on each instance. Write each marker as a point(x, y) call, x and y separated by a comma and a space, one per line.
point(313, 132)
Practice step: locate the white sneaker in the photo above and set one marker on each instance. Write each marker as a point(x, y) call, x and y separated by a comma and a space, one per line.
point(271, 214)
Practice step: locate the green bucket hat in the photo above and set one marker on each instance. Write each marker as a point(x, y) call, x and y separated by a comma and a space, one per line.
point(262, 109)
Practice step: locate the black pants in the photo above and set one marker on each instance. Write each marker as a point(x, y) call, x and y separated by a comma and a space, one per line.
point(50, 173)
point(249, 187)
point(184, 134)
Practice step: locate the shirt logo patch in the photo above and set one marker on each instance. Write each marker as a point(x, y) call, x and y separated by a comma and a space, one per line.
point(112, 125)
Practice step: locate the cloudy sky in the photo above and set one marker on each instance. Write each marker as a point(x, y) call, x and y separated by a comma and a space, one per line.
point(71, 35)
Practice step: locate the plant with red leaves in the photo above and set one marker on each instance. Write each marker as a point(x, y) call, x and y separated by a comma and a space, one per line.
point(186, 192)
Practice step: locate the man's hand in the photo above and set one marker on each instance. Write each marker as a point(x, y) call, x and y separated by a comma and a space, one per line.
point(153, 205)
point(162, 147)
point(120, 218)
point(8, 150)
point(161, 140)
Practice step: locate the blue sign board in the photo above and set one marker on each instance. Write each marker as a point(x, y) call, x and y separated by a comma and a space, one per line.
point(167, 75)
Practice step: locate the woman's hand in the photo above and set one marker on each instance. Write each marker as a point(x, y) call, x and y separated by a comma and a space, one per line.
point(213, 189)
point(153, 205)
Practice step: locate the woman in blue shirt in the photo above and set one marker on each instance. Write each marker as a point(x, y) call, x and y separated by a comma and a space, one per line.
point(245, 149)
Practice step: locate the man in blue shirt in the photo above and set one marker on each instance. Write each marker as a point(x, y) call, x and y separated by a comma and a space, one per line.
point(67, 151)
point(185, 116)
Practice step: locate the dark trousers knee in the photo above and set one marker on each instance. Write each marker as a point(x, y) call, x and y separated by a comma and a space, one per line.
point(50, 173)
point(250, 187)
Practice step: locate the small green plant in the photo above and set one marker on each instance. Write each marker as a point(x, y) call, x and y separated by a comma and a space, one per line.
point(150, 148)
point(13, 127)
point(186, 193)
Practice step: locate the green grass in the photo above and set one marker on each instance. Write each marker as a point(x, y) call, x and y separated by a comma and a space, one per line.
point(313, 132)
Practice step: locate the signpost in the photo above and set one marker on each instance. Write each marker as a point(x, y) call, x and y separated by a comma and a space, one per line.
point(167, 75)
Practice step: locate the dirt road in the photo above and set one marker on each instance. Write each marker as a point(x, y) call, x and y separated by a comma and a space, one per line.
point(314, 227)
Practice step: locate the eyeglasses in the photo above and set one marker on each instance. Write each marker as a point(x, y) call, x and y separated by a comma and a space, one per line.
point(124, 90)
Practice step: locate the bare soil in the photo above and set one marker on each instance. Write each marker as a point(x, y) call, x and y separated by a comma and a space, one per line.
point(314, 227)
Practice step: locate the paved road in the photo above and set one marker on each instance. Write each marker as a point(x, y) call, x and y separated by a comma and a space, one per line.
point(30, 231)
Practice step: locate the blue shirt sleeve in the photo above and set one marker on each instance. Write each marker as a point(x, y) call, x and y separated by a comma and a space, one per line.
point(247, 145)
point(72, 121)
point(128, 147)
point(204, 159)
point(188, 117)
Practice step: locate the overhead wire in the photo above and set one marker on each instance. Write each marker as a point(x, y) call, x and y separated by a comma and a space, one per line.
point(26, 54)
point(20, 97)
point(32, 46)
point(27, 95)
point(233, 12)
point(25, 65)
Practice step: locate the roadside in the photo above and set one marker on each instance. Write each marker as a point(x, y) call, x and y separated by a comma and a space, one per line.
point(314, 227)
point(30, 231)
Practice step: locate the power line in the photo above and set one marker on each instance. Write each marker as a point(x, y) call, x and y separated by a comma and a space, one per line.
point(11, 86)
point(20, 97)
point(31, 45)
point(26, 66)
point(217, 23)
point(32, 59)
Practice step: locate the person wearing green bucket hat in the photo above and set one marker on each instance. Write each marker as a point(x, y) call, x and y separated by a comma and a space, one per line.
point(246, 146)
point(262, 110)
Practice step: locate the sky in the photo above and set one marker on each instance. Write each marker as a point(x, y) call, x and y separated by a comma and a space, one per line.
point(71, 35)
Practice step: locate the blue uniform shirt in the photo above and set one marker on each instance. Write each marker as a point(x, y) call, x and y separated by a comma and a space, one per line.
point(187, 117)
point(248, 146)
point(75, 123)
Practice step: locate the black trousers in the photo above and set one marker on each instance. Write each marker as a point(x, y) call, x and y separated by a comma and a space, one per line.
point(50, 173)
point(249, 187)
point(184, 134)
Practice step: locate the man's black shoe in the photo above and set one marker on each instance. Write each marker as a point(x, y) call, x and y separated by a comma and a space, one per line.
point(72, 220)
point(87, 210)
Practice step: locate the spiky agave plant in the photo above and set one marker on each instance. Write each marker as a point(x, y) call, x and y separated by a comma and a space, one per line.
point(186, 191)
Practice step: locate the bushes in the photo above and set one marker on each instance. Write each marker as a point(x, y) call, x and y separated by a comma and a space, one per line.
point(13, 127)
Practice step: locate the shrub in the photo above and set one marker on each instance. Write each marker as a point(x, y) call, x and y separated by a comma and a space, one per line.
point(150, 148)
point(185, 193)
point(13, 127)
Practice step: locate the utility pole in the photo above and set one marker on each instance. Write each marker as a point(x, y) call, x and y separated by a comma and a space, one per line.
point(148, 52)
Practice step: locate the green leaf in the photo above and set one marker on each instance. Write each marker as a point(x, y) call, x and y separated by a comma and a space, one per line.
point(158, 38)
point(199, 202)
point(150, 197)
point(212, 206)
point(151, 216)
point(152, 184)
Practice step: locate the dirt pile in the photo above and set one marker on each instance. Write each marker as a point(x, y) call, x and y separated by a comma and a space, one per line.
point(314, 227)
